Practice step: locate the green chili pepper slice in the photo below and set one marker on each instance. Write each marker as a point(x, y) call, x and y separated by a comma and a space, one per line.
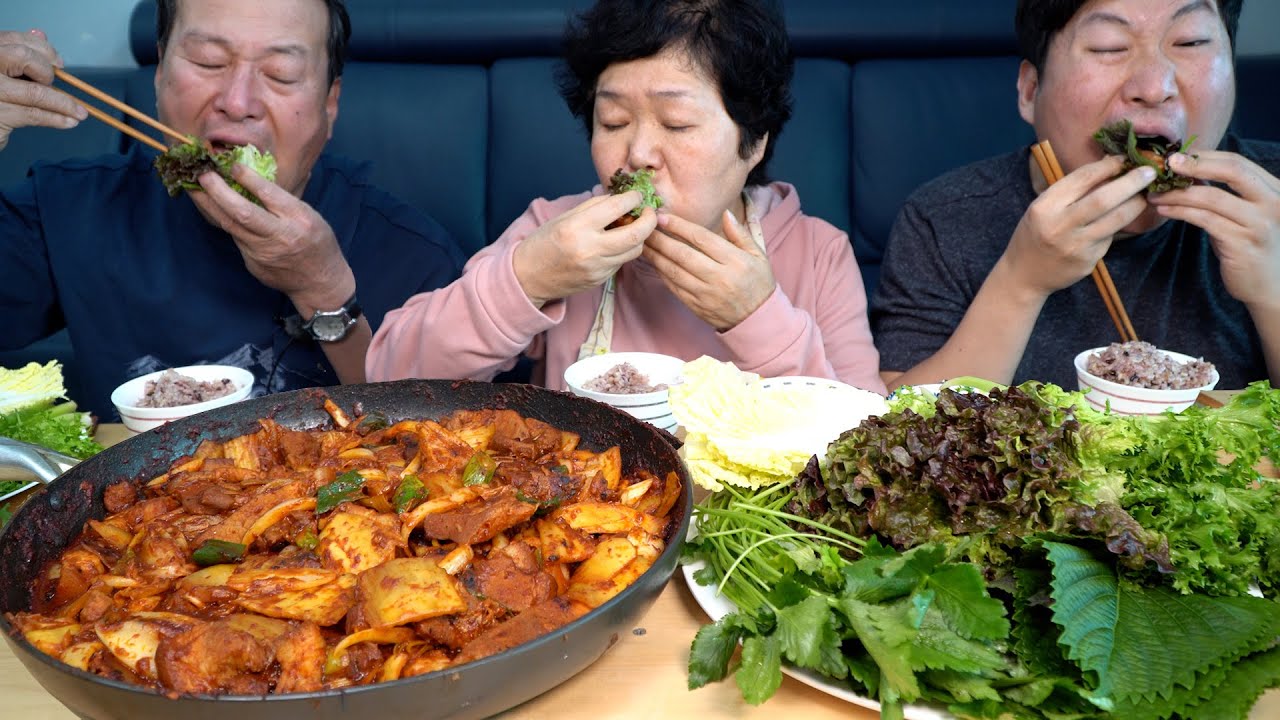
point(372, 422)
point(307, 540)
point(346, 487)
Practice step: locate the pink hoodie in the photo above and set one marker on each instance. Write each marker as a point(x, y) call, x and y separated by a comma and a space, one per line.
point(814, 323)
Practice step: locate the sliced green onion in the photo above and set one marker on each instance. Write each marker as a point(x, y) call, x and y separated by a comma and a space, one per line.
point(411, 490)
point(479, 469)
point(217, 552)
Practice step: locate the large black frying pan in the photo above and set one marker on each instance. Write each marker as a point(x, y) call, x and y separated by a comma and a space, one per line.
point(52, 518)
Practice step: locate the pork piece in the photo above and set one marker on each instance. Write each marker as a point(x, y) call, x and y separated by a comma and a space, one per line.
point(67, 579)
point(455, 631)
point(512, 577)
point(523, 437)
point(95, 606)
point(162, 553)
point(209, 602)
point(476, 522)
point(216, 489)
point(546, 486)
point(234, 527)
point(144, 596)
point(298, 450)
point(118, 496)
point(301, 654)
point(364, 663)
point(534, 622)
point(139, 514)
point(214, 658)
point(106, 665)
point(440, 450)
point(192, 526)
point(290, 526)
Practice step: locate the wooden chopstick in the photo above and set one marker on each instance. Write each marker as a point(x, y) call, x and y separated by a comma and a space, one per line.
point(1052, 172)
point(132, 132)
point(1100, 270)
point(94, 92)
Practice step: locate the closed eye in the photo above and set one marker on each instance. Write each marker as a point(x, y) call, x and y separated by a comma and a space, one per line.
point(1194, 43)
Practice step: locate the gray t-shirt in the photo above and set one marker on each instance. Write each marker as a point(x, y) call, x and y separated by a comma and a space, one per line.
point(952, 231)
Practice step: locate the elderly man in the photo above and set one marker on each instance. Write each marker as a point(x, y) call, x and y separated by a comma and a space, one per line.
point(987, 270)
point(289, 289)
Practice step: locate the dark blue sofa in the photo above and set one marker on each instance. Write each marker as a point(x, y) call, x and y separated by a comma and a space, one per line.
point(453, 104)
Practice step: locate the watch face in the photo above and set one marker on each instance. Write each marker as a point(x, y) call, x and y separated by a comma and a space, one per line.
point(328, 327)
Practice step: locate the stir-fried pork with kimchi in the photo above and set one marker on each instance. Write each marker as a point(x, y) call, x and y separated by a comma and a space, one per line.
point(293, 561)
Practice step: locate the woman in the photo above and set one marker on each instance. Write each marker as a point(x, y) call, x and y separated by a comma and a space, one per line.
point(696, 93)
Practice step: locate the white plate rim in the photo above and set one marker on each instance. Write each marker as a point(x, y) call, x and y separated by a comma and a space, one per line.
point(28, 484)
point(717, 606)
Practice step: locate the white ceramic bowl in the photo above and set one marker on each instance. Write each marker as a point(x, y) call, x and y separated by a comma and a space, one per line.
point(141, 419)
point(1129, 400)
point(652, 407)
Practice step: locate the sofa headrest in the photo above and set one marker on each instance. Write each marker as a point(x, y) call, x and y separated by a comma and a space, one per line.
point(480, 31)
point(423, 31)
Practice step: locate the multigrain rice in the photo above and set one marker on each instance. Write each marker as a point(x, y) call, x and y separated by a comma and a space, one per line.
point(622, 379)
point(172, 389)
point(1140, 364)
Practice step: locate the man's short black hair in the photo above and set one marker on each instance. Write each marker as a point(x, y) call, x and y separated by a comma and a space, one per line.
point(1037, 21)
point(339, 31)
point(741, 44)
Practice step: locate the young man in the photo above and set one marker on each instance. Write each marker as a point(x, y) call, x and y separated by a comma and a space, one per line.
point(987, 270)
point(144, 281)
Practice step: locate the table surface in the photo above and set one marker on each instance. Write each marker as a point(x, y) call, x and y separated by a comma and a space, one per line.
point(643, 676)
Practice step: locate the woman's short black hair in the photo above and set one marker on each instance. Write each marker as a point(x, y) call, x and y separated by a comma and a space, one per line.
point(1037, 21)
point(336, 43)
point(741, 44)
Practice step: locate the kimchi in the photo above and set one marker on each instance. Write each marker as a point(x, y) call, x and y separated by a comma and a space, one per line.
point(290, 561)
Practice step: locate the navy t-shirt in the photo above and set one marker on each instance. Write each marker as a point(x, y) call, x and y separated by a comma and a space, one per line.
point(143, 282)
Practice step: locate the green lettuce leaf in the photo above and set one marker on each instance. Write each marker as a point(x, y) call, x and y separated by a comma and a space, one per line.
point(181, 166)
point(640, 181)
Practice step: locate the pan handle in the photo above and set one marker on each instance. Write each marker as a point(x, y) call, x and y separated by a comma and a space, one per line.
point(45, 463)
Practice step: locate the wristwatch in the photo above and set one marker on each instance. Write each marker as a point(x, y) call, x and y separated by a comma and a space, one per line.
point(333, 325)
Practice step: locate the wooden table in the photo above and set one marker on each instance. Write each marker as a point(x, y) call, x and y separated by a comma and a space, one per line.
point(643, 676)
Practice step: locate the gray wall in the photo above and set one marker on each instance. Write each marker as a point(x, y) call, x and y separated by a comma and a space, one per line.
point(85, 32)
point(1259, 24)
point(95, 32)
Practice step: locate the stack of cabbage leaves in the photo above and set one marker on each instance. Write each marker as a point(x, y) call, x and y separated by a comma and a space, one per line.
point(1014, 554)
